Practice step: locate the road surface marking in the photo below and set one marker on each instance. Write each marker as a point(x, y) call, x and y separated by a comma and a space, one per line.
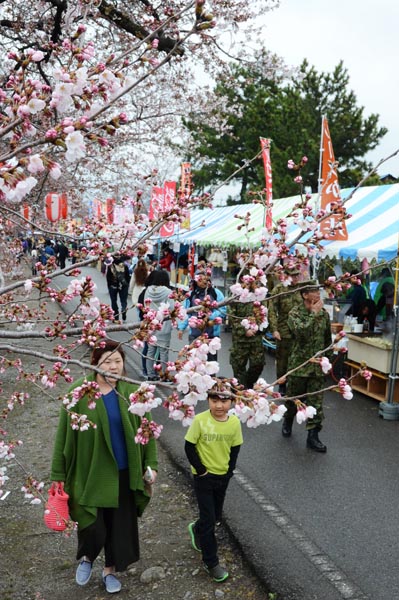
point(322, 562)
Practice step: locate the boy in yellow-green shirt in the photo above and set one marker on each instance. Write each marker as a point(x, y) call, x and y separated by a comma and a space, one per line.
point(212, 445)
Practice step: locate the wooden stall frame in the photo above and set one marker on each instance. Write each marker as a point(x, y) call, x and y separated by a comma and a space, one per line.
point(376, 387)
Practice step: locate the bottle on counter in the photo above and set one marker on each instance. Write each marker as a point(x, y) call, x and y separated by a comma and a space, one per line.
point(347, 324)
point(366, 326)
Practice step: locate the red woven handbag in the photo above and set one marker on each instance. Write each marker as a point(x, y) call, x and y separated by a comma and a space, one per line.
point(56, 514)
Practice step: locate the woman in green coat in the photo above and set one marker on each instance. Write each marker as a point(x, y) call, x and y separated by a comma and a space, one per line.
point(102, 468)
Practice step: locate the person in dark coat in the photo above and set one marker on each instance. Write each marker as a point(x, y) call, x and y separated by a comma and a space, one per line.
point(356, 295)
point(62, 254)
point(118, 278)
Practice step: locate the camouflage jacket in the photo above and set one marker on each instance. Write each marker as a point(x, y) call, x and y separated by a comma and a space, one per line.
point(280, 305)
point(311, 333)
point(237, 311)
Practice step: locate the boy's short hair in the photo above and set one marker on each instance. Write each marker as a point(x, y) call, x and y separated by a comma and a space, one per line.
point(220, 390)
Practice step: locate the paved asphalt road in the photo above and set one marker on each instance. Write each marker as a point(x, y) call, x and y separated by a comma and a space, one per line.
point(314, 527)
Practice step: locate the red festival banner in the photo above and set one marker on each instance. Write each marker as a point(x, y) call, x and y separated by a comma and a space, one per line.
point(110, 209)
point(169, 201)
point(185, 182)
point(162, 200)
point(334, 227)
point(97, 209)
point(265, 145)
point(156, 202)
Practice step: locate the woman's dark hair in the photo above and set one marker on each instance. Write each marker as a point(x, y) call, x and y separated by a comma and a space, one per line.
point(110, 346)
point(385, 272)
point(141, 272)
point(158, 277)
point(368, 310)
point(149, 279)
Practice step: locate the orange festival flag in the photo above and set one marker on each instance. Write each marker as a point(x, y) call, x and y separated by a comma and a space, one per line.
point(334, 227)
point(185, 189)
point(265, 145)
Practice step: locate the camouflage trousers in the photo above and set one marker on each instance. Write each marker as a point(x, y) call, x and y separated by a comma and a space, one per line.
point(297, 386)
point(283, 348)
point(251, 353)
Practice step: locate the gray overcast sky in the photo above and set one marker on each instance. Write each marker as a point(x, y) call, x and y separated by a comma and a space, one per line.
point(365, 35)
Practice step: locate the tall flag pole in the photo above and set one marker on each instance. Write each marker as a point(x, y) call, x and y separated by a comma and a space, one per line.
point(334, 227)
point(265, 145)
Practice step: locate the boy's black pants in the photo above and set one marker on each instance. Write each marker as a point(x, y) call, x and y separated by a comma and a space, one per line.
point(210, 491)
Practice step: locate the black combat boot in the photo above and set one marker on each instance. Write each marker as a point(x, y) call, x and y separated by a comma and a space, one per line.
point(287, 426)
point(313, 441)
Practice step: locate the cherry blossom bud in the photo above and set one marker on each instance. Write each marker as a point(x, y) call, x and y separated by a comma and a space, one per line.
point(37, 56)
point(51, 134)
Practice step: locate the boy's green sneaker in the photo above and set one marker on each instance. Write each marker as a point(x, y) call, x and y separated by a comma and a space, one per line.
point(217, 573)
point(194, 537)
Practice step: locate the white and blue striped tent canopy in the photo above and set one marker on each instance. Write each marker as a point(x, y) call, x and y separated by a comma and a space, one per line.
point(219, 226)
point(373, 229)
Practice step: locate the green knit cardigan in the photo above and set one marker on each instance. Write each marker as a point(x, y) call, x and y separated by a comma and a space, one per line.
point(85, 462)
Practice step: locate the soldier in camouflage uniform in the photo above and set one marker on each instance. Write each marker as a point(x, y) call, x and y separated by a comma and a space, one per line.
point(247, 346)
point(283, 299)
point(311, 330)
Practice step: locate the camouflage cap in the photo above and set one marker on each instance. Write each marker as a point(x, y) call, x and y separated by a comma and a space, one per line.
point(292, 271)
point(310, 285)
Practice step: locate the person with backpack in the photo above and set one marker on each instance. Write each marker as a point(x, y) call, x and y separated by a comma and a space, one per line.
point(118, 279)
point(202, 287)
point(46, 252)
point(157, 291)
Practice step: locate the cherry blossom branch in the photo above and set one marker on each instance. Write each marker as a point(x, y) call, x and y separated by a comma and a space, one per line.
point(66, 361)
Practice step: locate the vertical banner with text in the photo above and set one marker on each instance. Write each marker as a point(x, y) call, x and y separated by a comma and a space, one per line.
point(185, 189)
point(109, 208)
point(265, 145)
point(156, 202)
point(169, 201)
point(334, 227)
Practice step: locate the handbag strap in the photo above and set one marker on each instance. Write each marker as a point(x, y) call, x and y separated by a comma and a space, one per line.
point(57, 488)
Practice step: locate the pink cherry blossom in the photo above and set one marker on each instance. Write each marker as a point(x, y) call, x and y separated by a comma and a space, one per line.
point(55, 171)
point(37, 56)
point(325, 365)
point(347, 392)
point(76, 147)
point(35, 164)
point(366, 374)
point(28, 285)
